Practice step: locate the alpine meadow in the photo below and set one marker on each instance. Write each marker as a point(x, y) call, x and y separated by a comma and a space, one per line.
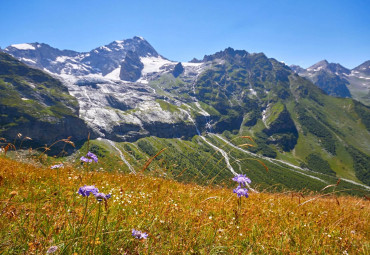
point(120, 150)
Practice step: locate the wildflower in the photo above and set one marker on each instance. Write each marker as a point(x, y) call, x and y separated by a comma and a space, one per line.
point(57, 166)
point(89, 158)
point(241, 179)
point(52, 249)
point(101, 196)
point(241, 191)
point(86, 190)
point(139, 235)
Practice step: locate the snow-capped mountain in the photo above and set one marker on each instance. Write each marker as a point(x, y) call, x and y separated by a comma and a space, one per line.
point(111, 84)
point(102, 60)
point(339, 81)
point(126, 90)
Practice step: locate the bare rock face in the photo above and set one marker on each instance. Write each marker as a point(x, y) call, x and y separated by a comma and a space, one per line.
point(179, 69)
point(131, 67)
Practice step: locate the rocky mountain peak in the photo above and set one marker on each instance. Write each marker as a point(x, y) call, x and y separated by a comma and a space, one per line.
point(333, 68)
point(318, 66)
point(297, 69)
point(225, 54)
point(101, 60)
point(363, 68)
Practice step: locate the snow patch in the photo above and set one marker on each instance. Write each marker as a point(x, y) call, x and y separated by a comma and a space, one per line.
point(105, 48)
point(28, 60)
point(188, 64)
point(61, 59)
point(23, 46)
point(153, 64)
point(315, 69)
point(142, 80)
point(114, 75)
point(253, 92)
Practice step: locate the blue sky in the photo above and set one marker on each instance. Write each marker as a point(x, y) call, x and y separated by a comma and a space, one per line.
point(299, 32)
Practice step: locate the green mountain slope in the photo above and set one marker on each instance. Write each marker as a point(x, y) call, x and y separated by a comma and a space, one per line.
point(289, 117)
point(35, 104)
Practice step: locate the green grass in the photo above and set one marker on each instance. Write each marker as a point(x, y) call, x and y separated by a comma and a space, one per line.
point(167, 106)
point(42, 208)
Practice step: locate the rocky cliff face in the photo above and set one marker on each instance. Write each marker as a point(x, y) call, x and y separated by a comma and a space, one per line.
point(131, 67)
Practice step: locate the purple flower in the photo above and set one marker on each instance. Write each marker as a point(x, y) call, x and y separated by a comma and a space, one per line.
point(57, 166)
point(139, 235)
point(242, 179)
point(86, 190)
point(101, 196)
point(241, 191)
point(89, 158)
point(52, 249)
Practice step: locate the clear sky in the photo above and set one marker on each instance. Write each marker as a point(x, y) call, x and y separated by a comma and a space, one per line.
point(299, 32)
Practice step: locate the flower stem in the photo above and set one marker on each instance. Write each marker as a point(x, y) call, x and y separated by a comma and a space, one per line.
point(85, 210)
point(58, 184)
point(96, 228)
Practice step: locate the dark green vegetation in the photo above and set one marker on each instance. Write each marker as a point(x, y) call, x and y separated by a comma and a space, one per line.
point(361, 164)
point(35, 104)
point(196, 161)
point(316, 162)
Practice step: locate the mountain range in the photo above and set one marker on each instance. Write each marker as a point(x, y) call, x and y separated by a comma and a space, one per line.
point(339, 81)
point(134, 101)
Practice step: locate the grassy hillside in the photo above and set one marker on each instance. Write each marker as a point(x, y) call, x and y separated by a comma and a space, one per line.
point(43, 209)
point(196, 161)
point(289, 117)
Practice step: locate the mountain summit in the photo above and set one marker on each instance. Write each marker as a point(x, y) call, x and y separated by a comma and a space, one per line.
point(101, 60)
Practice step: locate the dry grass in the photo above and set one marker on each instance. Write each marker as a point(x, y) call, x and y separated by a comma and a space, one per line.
point(38, 209)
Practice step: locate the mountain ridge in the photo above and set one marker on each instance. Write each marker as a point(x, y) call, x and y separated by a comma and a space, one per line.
point(339, 81)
